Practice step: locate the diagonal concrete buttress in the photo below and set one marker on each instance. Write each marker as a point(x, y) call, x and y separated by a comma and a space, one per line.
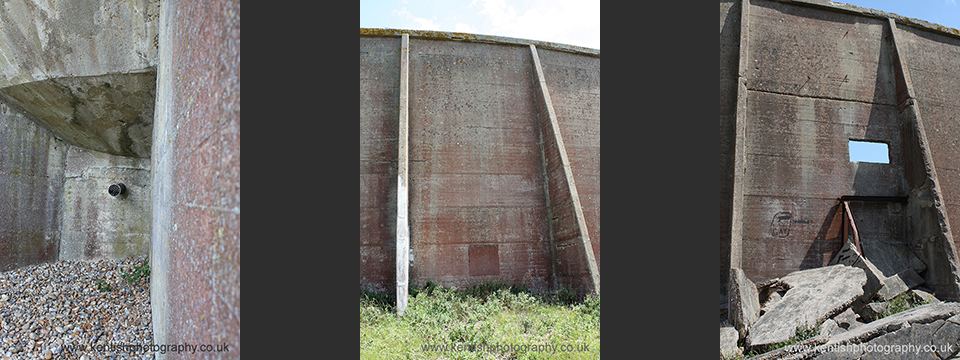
point(928, 227)
point(573, 256)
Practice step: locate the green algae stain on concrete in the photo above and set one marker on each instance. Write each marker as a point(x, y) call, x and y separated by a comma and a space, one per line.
point(108, 113)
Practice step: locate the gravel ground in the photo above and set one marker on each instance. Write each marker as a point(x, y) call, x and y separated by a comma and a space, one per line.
point(64, 310)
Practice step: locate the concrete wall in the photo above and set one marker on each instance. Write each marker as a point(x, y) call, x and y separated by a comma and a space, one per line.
point(379, 113)
point(81, 83)
point(31, 191)
point(799, 80)
point(484, 165)
point(84, 72)
point(195, 289)
point(96, 225)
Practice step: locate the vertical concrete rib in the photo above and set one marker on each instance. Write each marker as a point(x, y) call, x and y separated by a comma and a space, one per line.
point(736, 228)
point(567, 173)
point(925, 195)
point(403, 227)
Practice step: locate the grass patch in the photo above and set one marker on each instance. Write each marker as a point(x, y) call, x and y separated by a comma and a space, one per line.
point(480, 318)
point(803, 332)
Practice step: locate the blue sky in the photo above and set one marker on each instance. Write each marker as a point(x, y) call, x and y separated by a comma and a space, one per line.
point(572, 22)
point(943, 12)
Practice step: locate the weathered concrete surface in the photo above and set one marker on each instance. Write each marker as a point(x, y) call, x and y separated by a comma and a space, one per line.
point(898, 284)
point(107, 113)
point(817, 75)
point(379, 115)
point(849, 256)
point(813, 296)
point(96, 225)
point(933, 178)
point(32, 164)
point(43, 39)
point(891, 258)
point(490, 197)
point(475, 164)
point(575, 250)
point(728, 342)
point(744, 302)
point(195, 255)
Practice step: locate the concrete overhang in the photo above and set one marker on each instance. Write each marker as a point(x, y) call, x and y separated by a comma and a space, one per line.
point(85, 70)
point(110, 113)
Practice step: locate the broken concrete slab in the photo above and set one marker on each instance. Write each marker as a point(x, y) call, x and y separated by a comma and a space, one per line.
point(935, 326)
point(926, 332)
point(891, 258)
point(728, 342)
point(898, 284)
point(848, 255)
point(920, 314)
point(812, 296)
point(744, 302)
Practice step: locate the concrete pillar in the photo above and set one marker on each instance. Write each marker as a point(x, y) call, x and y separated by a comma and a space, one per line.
point(195, 257)
point(403, 226)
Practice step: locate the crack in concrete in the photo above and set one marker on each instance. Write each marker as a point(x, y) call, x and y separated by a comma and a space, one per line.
point(818, 97)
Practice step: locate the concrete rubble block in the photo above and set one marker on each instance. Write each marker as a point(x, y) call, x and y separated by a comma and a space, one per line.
point(891, 258)
point(772, 299)
point(847, 319)
point(890, 337)
point(896, 345)
point(728, 342)
point(894, 324)
point(898, 284)
point(813, 296)
point(925, 296)
point(946, 339)
point(744, 301)
point(830, 327)
point(848, 255)
point(872, 311)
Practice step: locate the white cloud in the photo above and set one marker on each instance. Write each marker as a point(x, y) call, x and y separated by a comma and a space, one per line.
point(466, 28)
point(422, 23)
point(952, 2)
point(575, 22)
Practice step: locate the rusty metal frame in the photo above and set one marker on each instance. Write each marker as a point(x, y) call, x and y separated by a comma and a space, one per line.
point(848, 215)
point(848, 222)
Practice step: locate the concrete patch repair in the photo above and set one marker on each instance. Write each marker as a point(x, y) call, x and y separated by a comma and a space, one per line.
point(479, 161)
point(825, 254)
point(120, 134)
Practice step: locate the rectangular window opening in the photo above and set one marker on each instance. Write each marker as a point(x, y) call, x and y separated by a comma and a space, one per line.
point(869, 151)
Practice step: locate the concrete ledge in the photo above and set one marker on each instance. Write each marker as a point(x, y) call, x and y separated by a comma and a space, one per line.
point(455, 36)
point(830, 5)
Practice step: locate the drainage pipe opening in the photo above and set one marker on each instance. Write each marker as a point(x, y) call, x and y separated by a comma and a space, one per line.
point(116, 189)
